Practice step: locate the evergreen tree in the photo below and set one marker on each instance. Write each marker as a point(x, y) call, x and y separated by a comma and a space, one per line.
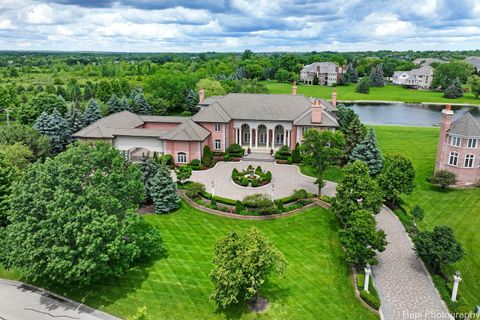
point(369, 152)
point(191, 99)
point(92, 113)
point(363, 85)
point(354, 134)
point(75, 119)
point(357, 191)
point(207, 158)
point(125, 104)
point(56, 128)
point(149, 168)
point(164, 191)
point(114, 104)
point(454, 90)
point(88, 92)
point(351, 75)
point(140, 105)
point(376, 76)
point(315, 80)
point(345, 117)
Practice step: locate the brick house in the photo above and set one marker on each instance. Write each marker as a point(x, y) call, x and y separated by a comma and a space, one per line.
point(259, 122)
point(458, 147)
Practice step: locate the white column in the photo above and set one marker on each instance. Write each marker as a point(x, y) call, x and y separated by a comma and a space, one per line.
point(268, 138)
point(368, 272)
point(288, 138)
point(251, 134)
point(236, 135)
point(256, 137)
point(456, 280)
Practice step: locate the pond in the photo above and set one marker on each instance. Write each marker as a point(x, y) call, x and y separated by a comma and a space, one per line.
point(406, 114)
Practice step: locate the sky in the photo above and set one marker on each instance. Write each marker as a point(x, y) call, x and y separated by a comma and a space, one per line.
point(236, 25)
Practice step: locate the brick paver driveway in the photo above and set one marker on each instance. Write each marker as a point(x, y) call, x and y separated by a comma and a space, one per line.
point(285, 178)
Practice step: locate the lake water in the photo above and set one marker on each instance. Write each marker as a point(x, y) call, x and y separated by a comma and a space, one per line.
point(406, 114)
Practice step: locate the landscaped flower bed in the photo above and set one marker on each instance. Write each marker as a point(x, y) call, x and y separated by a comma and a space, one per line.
point(253, 177)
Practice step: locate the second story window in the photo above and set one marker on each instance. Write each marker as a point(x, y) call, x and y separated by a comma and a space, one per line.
point(217, 127)
point(472, 143)
point(453, 159)
point(469, 160)
point(456, 141)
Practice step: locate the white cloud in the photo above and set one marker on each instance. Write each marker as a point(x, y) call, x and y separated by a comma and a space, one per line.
point(7, 24)
point(41, 14)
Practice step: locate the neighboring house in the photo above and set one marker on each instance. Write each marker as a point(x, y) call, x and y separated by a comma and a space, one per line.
point(415, 78)
point(475, 61)
point(261, 122)
point(458, 147)
point(427, 61)
point(328, 73)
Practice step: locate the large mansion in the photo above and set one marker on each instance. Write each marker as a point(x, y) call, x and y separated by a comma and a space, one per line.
point(458, 147)
point(259, 122)
point(328, 73)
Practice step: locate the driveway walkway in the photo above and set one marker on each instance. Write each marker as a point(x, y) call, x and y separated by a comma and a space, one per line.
point(19, 301)
point(405, 288)
point(285, 178)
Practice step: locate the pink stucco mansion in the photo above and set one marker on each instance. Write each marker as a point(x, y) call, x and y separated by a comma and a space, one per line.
point(260, 122)
point(458, 147)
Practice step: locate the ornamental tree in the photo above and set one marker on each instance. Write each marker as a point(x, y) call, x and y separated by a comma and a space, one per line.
point(207, 157)
point(396, 178)
point(355, 132)
point(211, 87)
point(321, 149)
point(38, 143)
point(164, 191)
point(438, 247)
point(361, 239)
point(444, 179)
point(357, 191)
point(92, 113)
point(242, 263)
point(376, 76)
point(363, 85)
point(369, 152)
point(73, 221)
point(183, 173)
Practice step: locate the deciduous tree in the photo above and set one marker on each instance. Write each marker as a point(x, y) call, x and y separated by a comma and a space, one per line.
point(396, 178)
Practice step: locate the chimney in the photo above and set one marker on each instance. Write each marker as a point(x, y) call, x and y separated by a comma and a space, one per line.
point(447, 116)
point(316, 112)
point(334, 98)
point(201, 95)
point(294, 88)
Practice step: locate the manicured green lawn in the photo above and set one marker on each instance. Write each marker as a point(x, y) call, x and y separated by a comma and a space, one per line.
point(317, 284)
point(387, 93)
point(333, 173)
point(459, 209)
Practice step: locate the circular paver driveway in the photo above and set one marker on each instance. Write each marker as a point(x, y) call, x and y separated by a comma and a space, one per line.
point(286, 179)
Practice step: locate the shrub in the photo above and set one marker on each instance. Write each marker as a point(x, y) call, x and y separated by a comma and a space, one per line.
point(370, 299)
point(235, 150)
point(267, 177)
point(213, 202)
point(260, 203)
point(418, 213)
point(258, 170)
point(255, 183)
point(234, 173)
point(207, 157)
point(283, 153)
point(239, 207)
point(244, 181)
point(226, 157)
point(279, 205)
point(168, 159)
point(363, 86)
point(296, 156)
point(228, 201)
point(183, 173)
point(195, 163)
point(443, 179)
point(290, 160)
point(300, 194)
point(194, 189)
point(326, 198)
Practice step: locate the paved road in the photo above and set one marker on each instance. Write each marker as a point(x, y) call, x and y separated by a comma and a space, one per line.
point(405, 288)
point(19, 301)
point(286, 179)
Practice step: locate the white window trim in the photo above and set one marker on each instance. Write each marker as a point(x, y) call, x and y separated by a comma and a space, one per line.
point(183, 154)
point(217, 127)
point(465, 161)
point(450, 156)
point(458, 139)
point(468, 143)
point(215, 144)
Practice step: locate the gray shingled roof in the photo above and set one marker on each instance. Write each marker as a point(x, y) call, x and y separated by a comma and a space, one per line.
point(475, 61)
point(187, 131)
point(165, 119)
point(103, 128)
point(325, 67)
point(253, 106)
point(212, 113)
point(467, 126)
point(139, 132)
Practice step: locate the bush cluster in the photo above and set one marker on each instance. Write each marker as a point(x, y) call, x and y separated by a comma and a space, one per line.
point(243, 177)
point(283, 153)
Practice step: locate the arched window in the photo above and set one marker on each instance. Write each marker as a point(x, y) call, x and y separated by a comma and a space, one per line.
point(181, 157)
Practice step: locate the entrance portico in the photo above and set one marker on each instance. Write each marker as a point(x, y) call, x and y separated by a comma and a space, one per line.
point(261, 136)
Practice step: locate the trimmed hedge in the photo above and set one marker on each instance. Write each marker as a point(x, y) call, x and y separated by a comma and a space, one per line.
point(371, 298)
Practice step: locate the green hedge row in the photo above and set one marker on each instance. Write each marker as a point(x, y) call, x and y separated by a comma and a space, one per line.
point(371, 298)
